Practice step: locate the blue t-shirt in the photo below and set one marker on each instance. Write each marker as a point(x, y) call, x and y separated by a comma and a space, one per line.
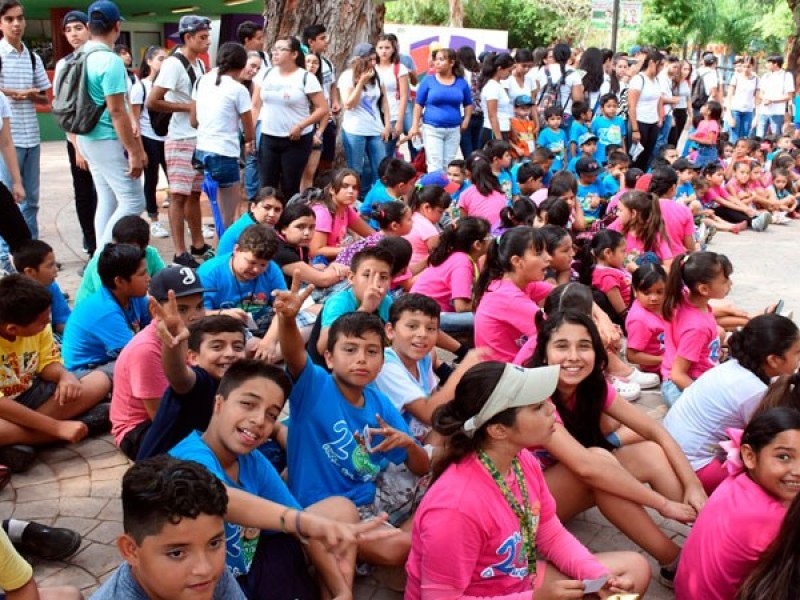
point(576, 130)
point(178, 415)
point(232, 233)
point(378, 194)
point(59, 309)
point(323, 455)
point(507, 181)
point(254, 296)
point(556, 142)
point(257, 476)
point(345, 302)
point(609, 185)
point(86, 343)
point(684, 191)
point(514, 174)
point(442, 103)
point(608, 131)
point(583, 193)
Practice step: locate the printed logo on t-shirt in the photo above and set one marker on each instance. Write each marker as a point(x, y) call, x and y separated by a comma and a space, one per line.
point(556, 147)
point(714, 351)
point(241, 543)
point(613, 135)
point(16, 375)
point(349, 455)
point(513, 560)
point(660, 339)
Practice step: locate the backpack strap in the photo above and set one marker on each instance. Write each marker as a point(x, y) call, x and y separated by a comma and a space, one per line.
point(32, 56)
point(188, 66)
point(396, 71)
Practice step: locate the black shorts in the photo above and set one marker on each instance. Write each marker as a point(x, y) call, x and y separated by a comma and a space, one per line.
point(36, 395)
point(329, 142)
point(279, 553)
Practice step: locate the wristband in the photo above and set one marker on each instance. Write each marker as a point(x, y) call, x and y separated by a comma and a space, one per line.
point(299, 532)
point(461, 352)
point(443, 372)
point(283, 520)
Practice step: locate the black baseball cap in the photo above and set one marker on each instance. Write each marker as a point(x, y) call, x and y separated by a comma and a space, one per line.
point(587, 165)
point(682, 164)
point(184, 281)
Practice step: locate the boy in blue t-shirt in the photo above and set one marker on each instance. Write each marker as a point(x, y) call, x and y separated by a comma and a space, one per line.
point(102, 325)
point(608, 127)
point(35, 259)
point(344, 433)
point(499, 154)
point(685, 193)
point(264, 520)
point(245, 280)
point(553, 137)
point(397, 178)
point(587, 144)
point(590, 192)
point(582, 120)
point(528, 179)
point(618, 163)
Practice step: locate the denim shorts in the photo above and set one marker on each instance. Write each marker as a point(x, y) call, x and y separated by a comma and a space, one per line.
point(222, 169)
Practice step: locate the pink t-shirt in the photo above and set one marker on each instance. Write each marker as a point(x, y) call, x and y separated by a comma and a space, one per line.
point(334, 225)
point(421, 231)
point(466, 542)
point(663, 250)
point(452, 279)
point(678, 223)
point(473, 204)
point(504, 320)
point(712, 196)
point(731, 533)
point(525, 353)
point(645, 333)
point(606, 279)
point(138, 375)
point(707, 126)
point(691, 334)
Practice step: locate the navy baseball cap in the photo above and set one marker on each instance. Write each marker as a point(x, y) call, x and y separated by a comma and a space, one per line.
point(184, 281)
point(587, 165)
point(104, 11)
point(74, 16)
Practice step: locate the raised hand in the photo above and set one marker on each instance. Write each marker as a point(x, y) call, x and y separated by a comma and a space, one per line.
point(288, 303)
point(392, 438)
point(171, 328)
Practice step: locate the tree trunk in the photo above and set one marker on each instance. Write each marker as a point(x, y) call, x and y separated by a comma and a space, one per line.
point(349, 22)
point(792, 45)
point(456, 13)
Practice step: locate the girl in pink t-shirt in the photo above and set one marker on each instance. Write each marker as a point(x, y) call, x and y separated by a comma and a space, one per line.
point(505, 314)
point(429, 204)
point(620, 473)
point(450, 278)
point(725, 206)
point(485, 197)
point(488, 526)
point(602, 267)
point(691, 338)
point(641, 223)
point(745, 513)
point(645, 323)
point(335, 215)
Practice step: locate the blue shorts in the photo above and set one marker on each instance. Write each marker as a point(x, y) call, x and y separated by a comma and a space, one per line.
point(222, 169)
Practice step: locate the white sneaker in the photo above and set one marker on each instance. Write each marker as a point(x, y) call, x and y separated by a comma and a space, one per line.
point(165, 203)
point(646, 381)
point(157, 230)
point(761, 222)
point(780, 218)
point(701, 233)
point(629, 390)
point(208, 232)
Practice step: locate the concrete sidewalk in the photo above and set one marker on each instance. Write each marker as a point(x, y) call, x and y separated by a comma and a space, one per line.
point(78, 487)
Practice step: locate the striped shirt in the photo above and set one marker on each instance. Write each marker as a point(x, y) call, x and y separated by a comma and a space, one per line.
point(16, 75)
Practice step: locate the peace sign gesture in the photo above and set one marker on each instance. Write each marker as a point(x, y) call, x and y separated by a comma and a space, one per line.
point(171, 328)
point(288, 303)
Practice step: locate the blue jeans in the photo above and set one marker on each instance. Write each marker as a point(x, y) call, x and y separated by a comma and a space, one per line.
point(744, 122)
point(457, 322)
point(28, 159)
point(775, 123)
point(663, 135)
point(360, 149)
point(670, 393)
point(391, 145)
point(252, 182)
point(471, 138)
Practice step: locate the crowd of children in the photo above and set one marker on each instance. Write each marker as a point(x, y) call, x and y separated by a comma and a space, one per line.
point(435, 371)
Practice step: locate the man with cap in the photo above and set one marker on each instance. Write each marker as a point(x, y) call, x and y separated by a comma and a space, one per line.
point(139, 379)
point(115, 156)
point(172, 93)
point(590, 192)
point(75, 26)
point(24, 82)
point(587, 147)
point(710, 81)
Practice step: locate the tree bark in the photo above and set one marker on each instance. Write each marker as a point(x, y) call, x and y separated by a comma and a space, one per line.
point(456, 13)
point(349, 22)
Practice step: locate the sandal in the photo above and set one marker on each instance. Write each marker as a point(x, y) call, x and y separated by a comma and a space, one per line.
point(5, 476)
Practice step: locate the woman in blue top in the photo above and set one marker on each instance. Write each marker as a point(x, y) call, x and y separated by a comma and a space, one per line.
point(439, 100)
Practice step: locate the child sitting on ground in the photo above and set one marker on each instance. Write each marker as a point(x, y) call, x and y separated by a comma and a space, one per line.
point(587, 146)
point(527, 178)
point(266, 209)
point(614, 178)
point(645, 323)
point(396, 184)
point(36, 260)
point(429, 205)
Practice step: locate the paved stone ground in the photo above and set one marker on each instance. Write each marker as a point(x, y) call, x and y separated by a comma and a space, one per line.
point(78, 487)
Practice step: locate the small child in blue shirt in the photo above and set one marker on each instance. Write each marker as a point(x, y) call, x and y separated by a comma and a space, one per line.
point(397, 180)
point(35, 259)
point(618, 163)
point(587, 145)
point(582, 120)
point(608, 127)
point(554, 138)
point(685, 193)
point(590, 192)
point(499, 154)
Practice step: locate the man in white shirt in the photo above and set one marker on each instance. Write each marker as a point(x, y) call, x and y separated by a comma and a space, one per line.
point(708, 74)
point(172, 93)
point(316, 38)
point(776, 90)
point(251, 36)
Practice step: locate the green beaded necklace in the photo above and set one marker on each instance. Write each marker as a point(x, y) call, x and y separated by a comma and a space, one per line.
point(523, 513)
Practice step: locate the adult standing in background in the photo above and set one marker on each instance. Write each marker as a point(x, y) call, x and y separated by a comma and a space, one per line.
point(596, 81)
point(667, 79)
point(569, 82)
point(777, 89)
point(497, 108)
point(251, 36)
point(743, 91)
point(680, 113)
point(316, 38)
point(471, 136)
point(75, 25)
point(24, 82)
point(645, 108)
point(707, 72)
point(394, 77)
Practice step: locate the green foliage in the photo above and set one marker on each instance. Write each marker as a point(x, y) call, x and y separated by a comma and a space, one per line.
point(774, 28)
point(418, 12)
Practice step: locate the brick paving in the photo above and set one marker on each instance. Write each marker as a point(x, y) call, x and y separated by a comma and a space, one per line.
point(78, 486)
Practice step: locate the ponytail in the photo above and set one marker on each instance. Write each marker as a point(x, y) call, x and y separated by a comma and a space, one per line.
point(231, 57)
point(514, 242)
point(762, 337)
point(386, 213)
point(460, 238)
point(648, 224)
point(492, 63)
point(433, 195)
point(691, 270)
point(522, 212)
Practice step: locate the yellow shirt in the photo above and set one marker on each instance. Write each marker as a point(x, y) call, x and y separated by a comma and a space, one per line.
point(14, 571)
point(23, 359)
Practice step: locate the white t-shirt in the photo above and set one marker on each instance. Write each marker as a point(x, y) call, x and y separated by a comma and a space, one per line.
point(572, 79)
point(390, 82)
point(494, 90)
point(647, 107)
point(514, 89)
point(328, 78)
point(218, 110)
point(5, 109)
point(138, 95)
point(174, 78)
point(723, 397)
point(684, 93)
point(774, 85)
point(666, 84)
point(710, 79)
point(365, 118)
point(744, 96)
point(285, 102)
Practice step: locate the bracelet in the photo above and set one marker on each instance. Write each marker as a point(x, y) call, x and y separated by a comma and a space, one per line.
point(283, 520)
point(299, 532)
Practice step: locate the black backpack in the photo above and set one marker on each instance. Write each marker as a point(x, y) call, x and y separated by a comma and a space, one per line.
point(159, 120)
point(73, 107)
point(699, 93)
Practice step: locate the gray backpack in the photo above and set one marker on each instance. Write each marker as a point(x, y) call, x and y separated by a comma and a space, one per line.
point(73, 107)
